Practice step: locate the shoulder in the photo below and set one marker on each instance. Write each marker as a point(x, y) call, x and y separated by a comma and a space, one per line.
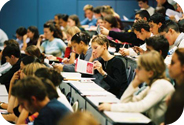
point(162, 84)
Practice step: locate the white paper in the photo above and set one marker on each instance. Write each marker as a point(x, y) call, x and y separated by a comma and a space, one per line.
point(3, 90)
point(170, 12)
point(71, 75)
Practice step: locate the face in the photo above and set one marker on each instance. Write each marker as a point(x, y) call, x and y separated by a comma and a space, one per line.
point(69, 37)
point(97, 15)
point(19, 37)
point(77, 47)
point(100, 22)
point(9, 59)
point(97, 49)
point(107, 24)
point(137, 17)
point(176, 70)
point(169, 37)
point(56, 20)
point(27, 105)
point(154, 28)
point(179, 9)
point(71, 22)
point(89, 14)
point(22, 65)
point(142, 74)
point(140, 35)
point(48, 34)
point(142, 4)
point(62, 23)
point(30, 34)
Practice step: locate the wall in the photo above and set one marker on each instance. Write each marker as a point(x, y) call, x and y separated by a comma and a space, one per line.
point(25, 13)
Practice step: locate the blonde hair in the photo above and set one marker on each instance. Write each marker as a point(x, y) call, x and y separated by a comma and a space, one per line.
point(101, 40)
point(88, 7)
point(109, 10)
point(72, 30)
point(153, 61)
point(30, 69)
point(79, 118)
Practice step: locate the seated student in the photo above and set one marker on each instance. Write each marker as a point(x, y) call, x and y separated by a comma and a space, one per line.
point(51, 45)
point(111, 68)
point(151, 101)
point(63, 19)
point(111, 24)
point(50, 111)
point(33, 35)
point(57, 79)
point(97, 12)
point(129, 37)
point(12, 55)
point(142, 30)
point(3, 37)
point(80, 44)
point(100, 21)
point(155, 22)
point(89, 20)
point(143, 4)
point(172, 33)
point(22, 37)
point(73, 20)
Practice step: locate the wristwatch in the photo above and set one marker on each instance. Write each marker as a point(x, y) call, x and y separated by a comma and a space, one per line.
point(105, 75)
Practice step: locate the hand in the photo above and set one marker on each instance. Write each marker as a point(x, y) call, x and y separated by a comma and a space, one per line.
point(51, 57)
point(97, 65)
point(138, 50)
point(124, 51)
point(65, 60)
point(42, 36)
point(16, 76)
point(25, 37)
point(136, 82)
point(104, 31)
point(104, 106)
point(59, 67)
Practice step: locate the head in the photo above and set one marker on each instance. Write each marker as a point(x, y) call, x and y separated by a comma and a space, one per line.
point(110, 22)
point(107, 10)
point(71, 31)
point(155, 22)
point(178, 8)
point(142, 3)
point(56, 18)
point(26, 60)
point(27, 98)
point(20, 32)
point(170, 30)
point(47, 73)
point(79, 118)
point(150, 67)
point(142, 15)
point(11, 54)
point(80, 41)
point(11, 42)
point(142, 29)
point(160, 10)
point(63, 20)
point(73, 20)
point(158, 43)
point(49, 30)
point(181, 25)
point(100, 21)
point(97, 12)
point(88, 9)
point(99, 44)
point(176, 68)
point(32, 32)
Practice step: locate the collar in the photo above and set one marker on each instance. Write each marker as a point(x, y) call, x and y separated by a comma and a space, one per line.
point(179, 39)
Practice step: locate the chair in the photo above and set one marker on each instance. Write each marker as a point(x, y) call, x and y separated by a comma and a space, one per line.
point(75, 106)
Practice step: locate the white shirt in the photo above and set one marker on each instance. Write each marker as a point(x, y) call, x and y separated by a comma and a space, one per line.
point(3, 37)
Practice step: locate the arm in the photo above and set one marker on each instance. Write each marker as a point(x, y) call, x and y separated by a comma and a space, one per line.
point(24, 42)
point(39, 41)
point(22, 118)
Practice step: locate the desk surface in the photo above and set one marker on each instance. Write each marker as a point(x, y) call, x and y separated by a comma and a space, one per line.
point(3, 90)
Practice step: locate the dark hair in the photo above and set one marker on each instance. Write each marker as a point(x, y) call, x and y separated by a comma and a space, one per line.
point(27, 60)
point(161, 10)
point(180, 53)
point(143, 1)
point(75, 18)
point(157, 18)
point(11, 42)
point(181, 25)
point(21, 31)
point(112, 20)
point(50, 89)
point(81, 36)
point(28, 87)
point(159, 43)
point(141, 24)
point(34, 30)
point(11, 50)
point(58, 15)
point(169, 24)
point(143, 13)
point(50, 74)
point(64, 17)
point(97, 9)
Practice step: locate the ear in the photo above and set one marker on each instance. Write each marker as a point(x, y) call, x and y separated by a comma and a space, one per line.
point(105, 46)
point(171, 31)
point(159, 24)
point(81, 43)
point(12, 56)
point(160, 51)
point(150, 74)
point(142, 30)
point(33, 100)
point(144, 18)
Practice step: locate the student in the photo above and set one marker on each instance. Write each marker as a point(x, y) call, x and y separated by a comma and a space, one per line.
point(80, 44)
point(63, 19)
point(50, 111)
point(51, 45)
point(33, 35)
point(100, 22)
point(165, 4)
point(73, 20)
point(97, 12)
point(155, 22)
point(143, 4)
point(111, 68)
point(21, 34)
point(152, 101)
point(129, 37)
point(3, 37)
point(111, 24)
point(142, 30)
point(12, 55)
point(89, 20)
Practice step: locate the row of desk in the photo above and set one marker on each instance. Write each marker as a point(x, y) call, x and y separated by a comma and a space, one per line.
point(89, 95)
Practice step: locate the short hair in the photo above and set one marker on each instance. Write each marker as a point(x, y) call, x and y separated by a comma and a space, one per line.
point(72, 30)
point(64, 17)
point(21, 31)
point(145, 1)
point(50, 74)
point(112, 20)
point(181, 25)
point(88, 7)
point(169, 24)
point(180, 53)
point(157, 18)
point(97, 9)
point(101, 40)
point(143, 13)
point(141, 24)
point(11, 50)
point(81, 36)
point(159, 43)
point(11, 42)
point(75, 18)
point(28, 87)
point(27, 60)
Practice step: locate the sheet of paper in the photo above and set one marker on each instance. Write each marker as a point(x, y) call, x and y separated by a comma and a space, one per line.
point(71, 75)
point(3, 90)
point(170, 12)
